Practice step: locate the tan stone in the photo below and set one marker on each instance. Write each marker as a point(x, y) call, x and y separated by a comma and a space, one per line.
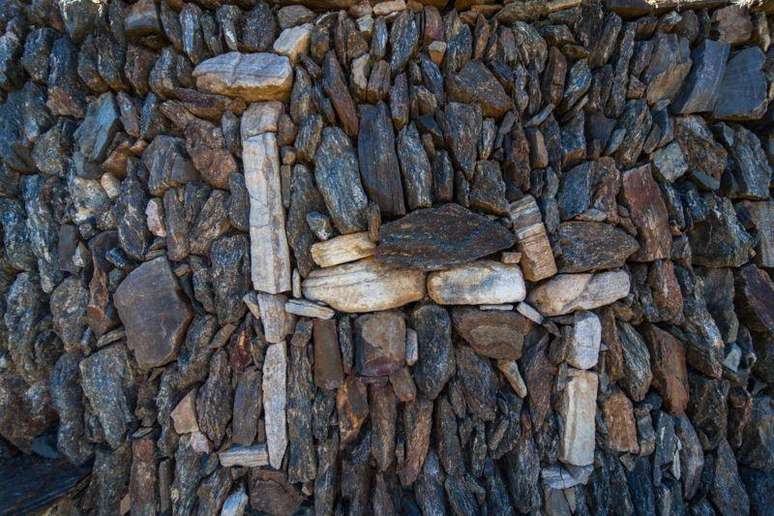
point(274, 402)
point(245, 456)
point(621, 427)
point(294, 41)
point(364, 286)
point(252, 77)
point(537, 258)
point(566, 293)
point(510, 370)
point(304, 308)
point(277, 322)
point(481, 282)
point(270, 256)
point(343, 249)
point(380, 343)
point(184, 414)
point(578, 408)
point(389, 7)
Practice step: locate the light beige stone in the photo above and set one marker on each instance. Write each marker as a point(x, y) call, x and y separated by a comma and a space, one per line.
point(537, 258)
point(275, 401)
point(578, 408)
point(437, 49)
point(293, 42)
point(245, 456)
point(510, 370)
point(270, 256)
point(584, 338)
point(389, 7)
point(154, 215)
point(252, 77)
point(481, 282)
point(277, 323)
point(304, 308)
point(364, 286)
point(184, 414)
point(566, 293)
point(343, 249)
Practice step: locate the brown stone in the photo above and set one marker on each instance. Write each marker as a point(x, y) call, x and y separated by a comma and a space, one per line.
point(328, 371)
point(184, 414)
point(649, 214)
point(155, 314)
point(351, 407)
point(335, 87)
point(755, 298)
point(621, 428)
point(667, 361)
point(380, 343)
point(493, 334)
point(537, 259)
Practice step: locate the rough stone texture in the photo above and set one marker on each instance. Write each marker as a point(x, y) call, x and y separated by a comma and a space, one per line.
point(648, 213)
point(566, 293)
point(436, 238)
point(493, 334)
point(578, 407)
point(593, 246)
point(274, 402)
point(155, 314)
point(252, 77)
point(742, 99)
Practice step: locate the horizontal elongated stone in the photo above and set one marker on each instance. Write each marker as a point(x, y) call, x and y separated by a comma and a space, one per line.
point(566, 293)
point(481, 282)
point(245, 456)
point(252, 77)
point(364, 286)
point(436, 238)
point(343, 249)
point(592, 246)
point(494, 334)
point(304, 308)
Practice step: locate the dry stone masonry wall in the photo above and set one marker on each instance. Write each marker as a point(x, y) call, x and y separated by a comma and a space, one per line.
point(408, 257)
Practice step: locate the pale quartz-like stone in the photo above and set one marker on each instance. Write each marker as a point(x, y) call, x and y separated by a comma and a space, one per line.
point(111, 184)
point(412, 346)
point(343, 249)
point(277, 323)
point(566, 293)
point(154, 215)
point(537, 258)
point(584, 337)
point(245, 456)
point(389, 7)
point(184, 414)
point(270, 257)
point(304, 308)
point(295, 280)
point(578, 408)
point(510, 257)
point(261, 117)
point(294, 41)
point(510, 370)
point(200, 443)
point(497, 308)
point(360, 69)
point(477, 283)
point(235, 504)
point(253, 77)
point(557, 476)
point(274, 402)
point(530, 313)
point(364, 286)
point(365, 24)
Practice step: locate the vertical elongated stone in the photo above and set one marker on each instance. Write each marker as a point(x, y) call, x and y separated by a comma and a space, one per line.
point(270, 257)
point(537, 259)
point(274, 401)
point(578, 408)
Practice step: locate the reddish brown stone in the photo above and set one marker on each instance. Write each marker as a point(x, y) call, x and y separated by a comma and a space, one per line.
point(621, 428)
point(614, 361)
point(755, 298)
point(670, 376)
point(270, 492)
point(352, 408)
point(328, 372)
point(649, 214)
point(380, 343)
point(492, 333)
point(417, 422)
point(666, 290)
point(142, 479)
point(403, 384)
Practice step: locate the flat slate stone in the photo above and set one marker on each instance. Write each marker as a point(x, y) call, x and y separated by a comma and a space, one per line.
point(437, 238)
point(700, 90)
point(742, 92)
point(154, 312)
point(492, 333)
point(476, 84)
point(252, 77)
point(592, 246)
point(378, 160)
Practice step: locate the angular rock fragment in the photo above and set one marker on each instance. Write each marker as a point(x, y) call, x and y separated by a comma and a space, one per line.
point(351, 407)
point(462, 131)
point(583, 340)
point(155, 314)
point(668, 67)
point(481, 282)
point(378, 160)
point(755, 298)
point(569, 292)
point(479, 382)
point(328, 370)
point(245, 456)
point(168, 164)
point(699, 92)
point(380, 343)
point(578, 408)
point(649, 214)
point(252, 77)
point(248, 405)
point(493, 334)
point(274, 402)
point(415, 166)
point(270, 256)
point(619, 418)
point(364, 286)
point(342, 249)
point(719, 240)
point(474, 83)
point(436, 238)
point(335, 86)
point(336, 172)
point(670, 376)
point(742, 92)
point(593, 246)
point(436, 363)
point(214, 399)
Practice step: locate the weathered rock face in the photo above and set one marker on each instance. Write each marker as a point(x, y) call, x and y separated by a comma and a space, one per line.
point(252, 77)
point(386, 257)
point(437, 238)
point(154, 312)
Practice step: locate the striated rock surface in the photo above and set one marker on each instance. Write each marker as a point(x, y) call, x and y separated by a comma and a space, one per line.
point(481, 282)
point(252, 77)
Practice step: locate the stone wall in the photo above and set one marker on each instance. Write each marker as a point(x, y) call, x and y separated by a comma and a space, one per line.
point(347, 258)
